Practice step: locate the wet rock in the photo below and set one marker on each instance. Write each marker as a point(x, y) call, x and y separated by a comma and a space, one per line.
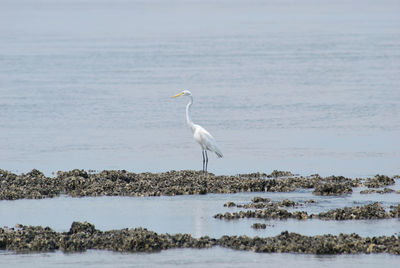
point(384, 191)
point(310, 201)
point(366, 212)
point(260, 203)
point(395, 211)
point(259, 226)
point(266, 213)
point(379, 181)
point(326, 189)
point(342, 180)
point(367, 191)
point(79, 183)
point(257, 205)
point(28, 238)
point(83, 236)
point(81, 227)
point(258, 199)
point(322, 244)
point(254, 175)
point(278, 173)
point(32, 185)
point(288, 203)
point(6, 175)
point(229, 204)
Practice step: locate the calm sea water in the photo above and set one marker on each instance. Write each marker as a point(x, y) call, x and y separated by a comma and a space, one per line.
point(310, 86)
point(193, 215)
point(307, 87)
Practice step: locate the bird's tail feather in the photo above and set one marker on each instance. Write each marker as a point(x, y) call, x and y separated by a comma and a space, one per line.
point(219, 153)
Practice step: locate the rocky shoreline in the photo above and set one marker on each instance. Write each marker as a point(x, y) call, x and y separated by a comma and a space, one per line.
point(80, 183)
point(264, 208)
point(84, 236)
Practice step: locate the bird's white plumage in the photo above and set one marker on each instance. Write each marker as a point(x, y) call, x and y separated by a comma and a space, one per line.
point(200, 134)
point(206, 140)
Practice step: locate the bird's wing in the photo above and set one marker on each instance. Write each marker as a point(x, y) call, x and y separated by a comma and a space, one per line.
point(207, 140)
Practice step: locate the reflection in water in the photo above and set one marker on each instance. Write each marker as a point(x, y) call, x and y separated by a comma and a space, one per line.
point(201, 213)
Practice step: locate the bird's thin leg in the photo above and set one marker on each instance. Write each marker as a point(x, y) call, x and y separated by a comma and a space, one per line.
point(206, 160)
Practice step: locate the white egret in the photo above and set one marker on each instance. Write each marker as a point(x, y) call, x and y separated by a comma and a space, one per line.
point(202, 136)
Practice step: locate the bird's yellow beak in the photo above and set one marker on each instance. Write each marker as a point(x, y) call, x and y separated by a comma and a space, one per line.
point(177, 95)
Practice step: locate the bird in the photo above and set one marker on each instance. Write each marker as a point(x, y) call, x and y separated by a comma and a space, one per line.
point(200, 134)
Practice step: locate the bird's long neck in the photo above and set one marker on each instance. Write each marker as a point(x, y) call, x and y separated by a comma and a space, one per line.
point(189, 121)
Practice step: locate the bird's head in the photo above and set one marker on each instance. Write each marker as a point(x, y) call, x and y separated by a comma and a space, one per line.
point(183, 93)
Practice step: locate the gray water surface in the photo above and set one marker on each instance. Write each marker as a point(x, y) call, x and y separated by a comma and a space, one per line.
point(215, 257)
point(194, 214)
point(310, 86)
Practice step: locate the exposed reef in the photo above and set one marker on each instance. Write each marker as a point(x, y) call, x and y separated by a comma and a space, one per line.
point(84, 236)
point(379, 181)
point(79, 183)
point(259, 202)
point(320, 244)
point(379, 191)
point(366, 212)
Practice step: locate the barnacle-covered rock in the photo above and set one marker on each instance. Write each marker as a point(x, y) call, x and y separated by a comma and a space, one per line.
point(332, 189)
point(366, 212)
point(379, 181)
point(84, 236)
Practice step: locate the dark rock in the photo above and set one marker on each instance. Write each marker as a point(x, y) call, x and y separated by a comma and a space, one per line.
point(258, 199)
point(384, 191)
point(288, 203)
point(366, 212)
point(278, 173)
point(78, 183)
point(395, 211)
point(322, 244)
point(370, 211)
point(260, 202)
point(332, 189)
point(254, 175)
point(82, 237)
point(310, 201)
point(81, 227)
point(229, 204)
point(266, 213)
point(31, 185)
point(259, 226)
point(379, 181)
